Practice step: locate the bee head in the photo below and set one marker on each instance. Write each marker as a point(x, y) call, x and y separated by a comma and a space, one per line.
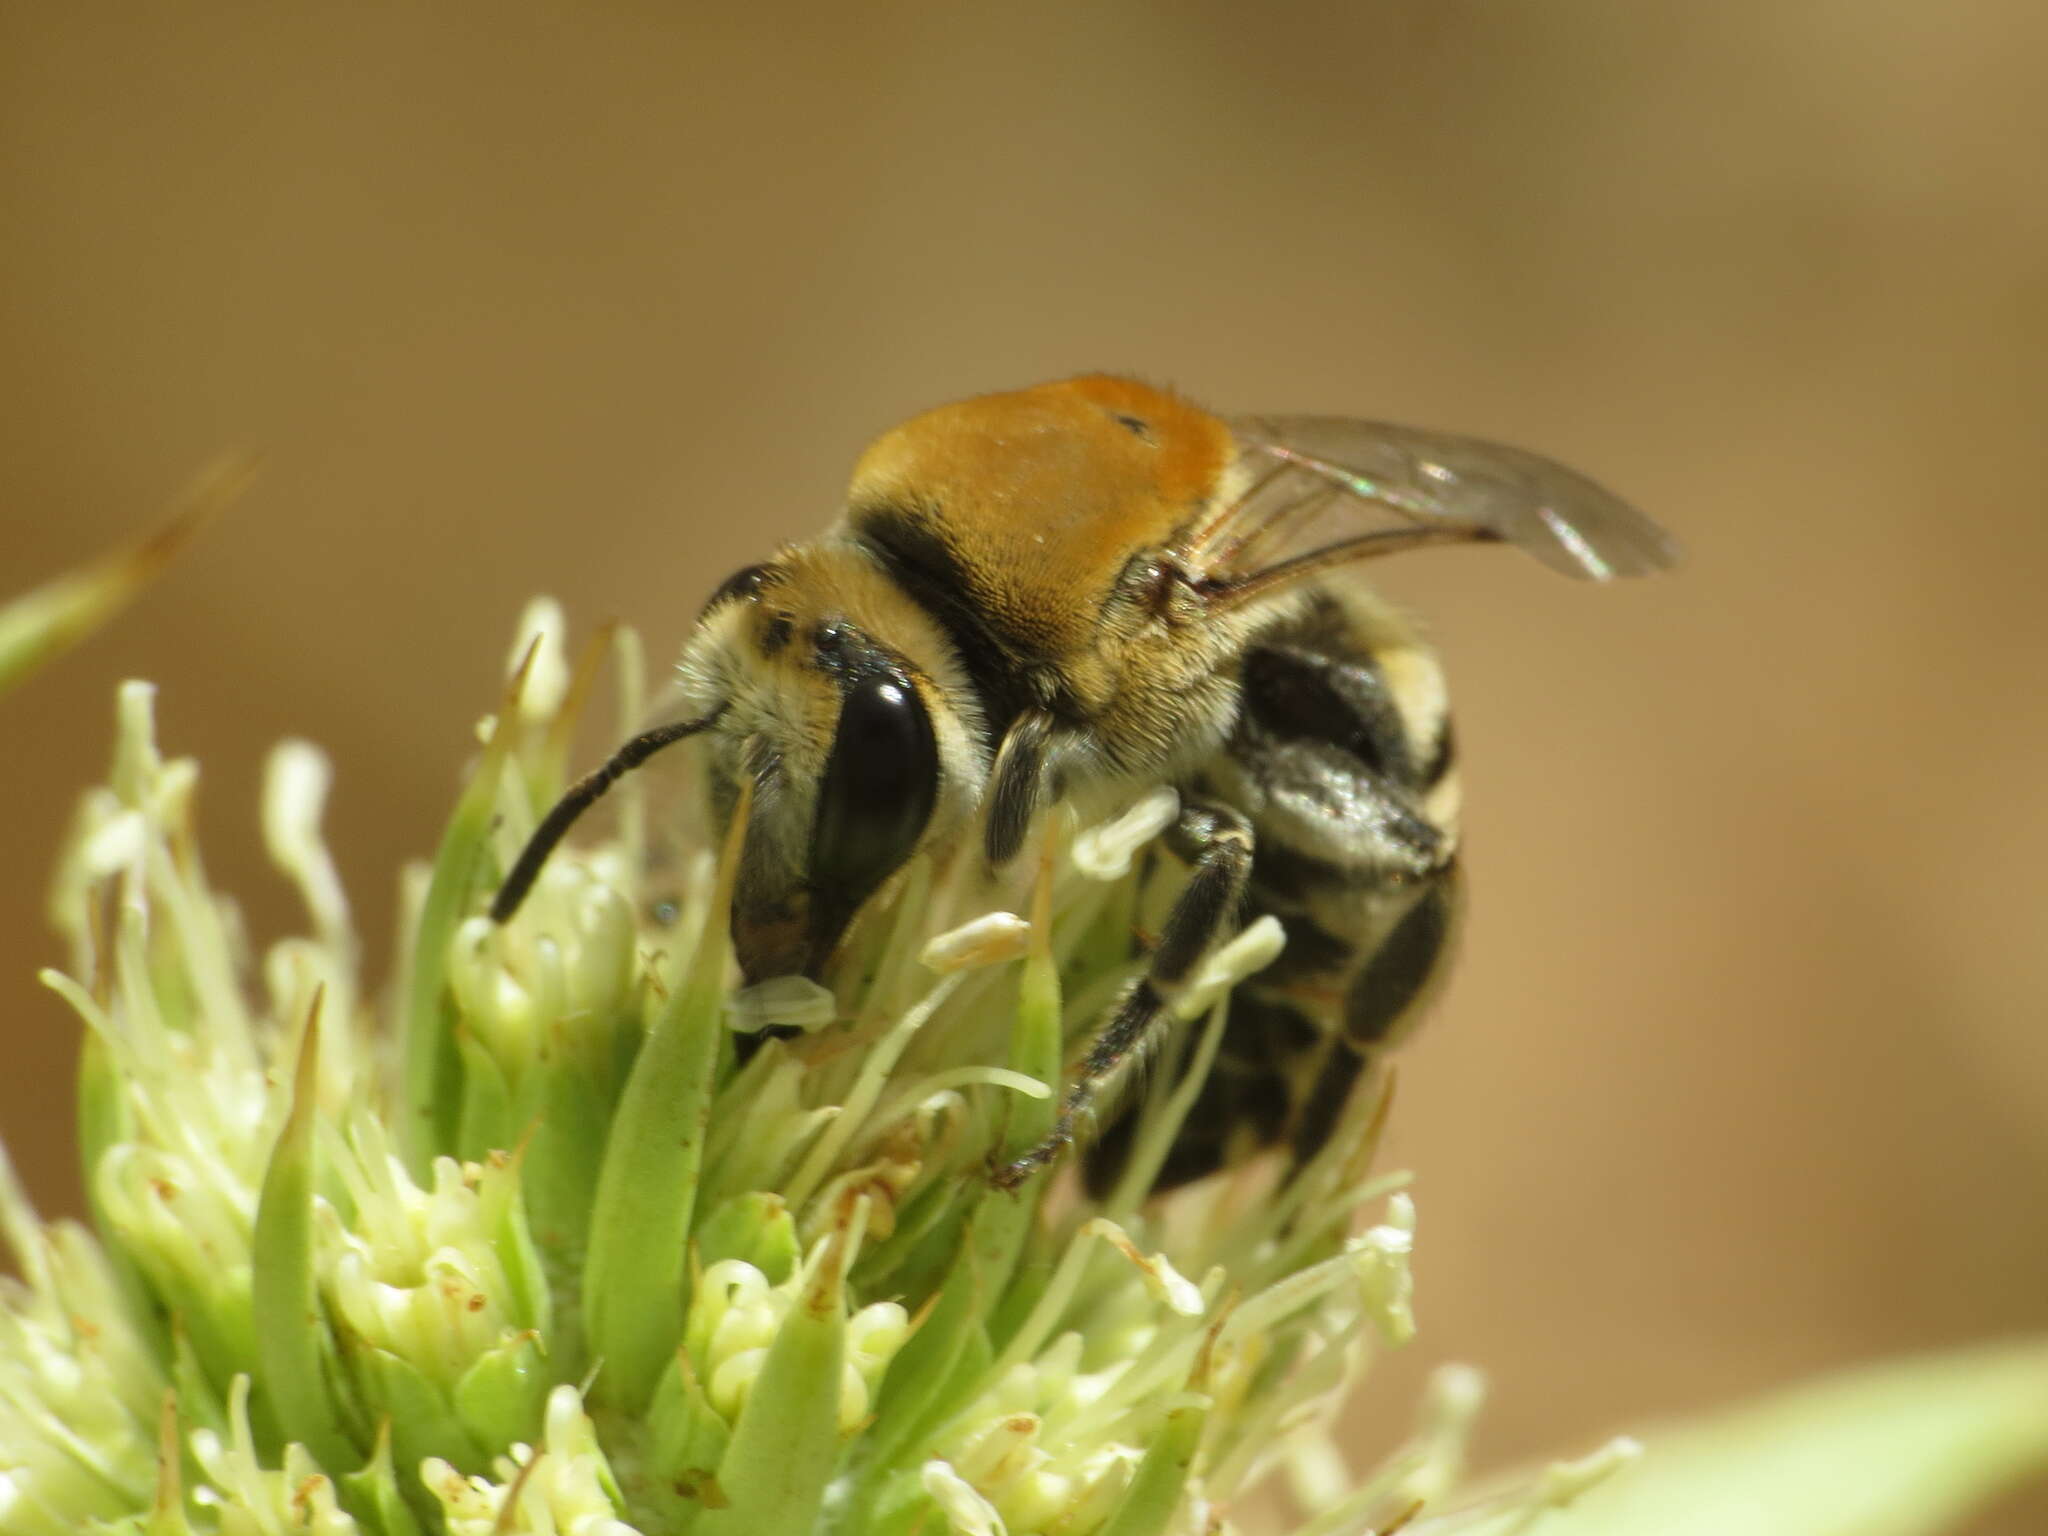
point(834, 708)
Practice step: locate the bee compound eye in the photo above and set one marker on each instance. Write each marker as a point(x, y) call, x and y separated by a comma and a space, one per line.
point(880, 786)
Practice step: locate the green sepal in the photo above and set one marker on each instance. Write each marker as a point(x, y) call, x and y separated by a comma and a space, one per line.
point(104, 1118)
point(219, 1342)
point(423, 1422)
point(565, 1108)
point(485, 1124)
point(900, 1505)
point(686, 1444)
point(502, 1193)
point(786, 1443)
point(936, 1368)
point(433, 1099)
point(372, 1494)
point(200, 1405)
point(502, 1396)
point(755, 1227)
point(1148, 1505)
point(633, 1276)
point(431, 1128)
point(911, 1260)
point(1028, 1282)
point(294, 1343)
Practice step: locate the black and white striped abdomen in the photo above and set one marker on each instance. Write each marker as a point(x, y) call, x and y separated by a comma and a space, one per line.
point(1342, 760)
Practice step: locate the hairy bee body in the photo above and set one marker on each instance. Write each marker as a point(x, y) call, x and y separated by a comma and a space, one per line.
point(1085, 589)
point(1341, 760)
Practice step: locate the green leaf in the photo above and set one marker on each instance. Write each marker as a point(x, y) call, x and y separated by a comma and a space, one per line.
point(1900, 1449)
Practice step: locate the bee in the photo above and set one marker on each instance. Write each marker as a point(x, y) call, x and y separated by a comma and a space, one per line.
point(1087, 588)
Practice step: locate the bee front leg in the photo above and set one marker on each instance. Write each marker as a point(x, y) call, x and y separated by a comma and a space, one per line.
point(1220, 843)
point(1016, 786)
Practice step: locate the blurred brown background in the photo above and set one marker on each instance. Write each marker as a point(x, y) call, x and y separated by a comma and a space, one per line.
point(1744, 1072)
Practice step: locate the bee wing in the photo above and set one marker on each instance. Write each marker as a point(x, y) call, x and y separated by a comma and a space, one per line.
point(1439, 480)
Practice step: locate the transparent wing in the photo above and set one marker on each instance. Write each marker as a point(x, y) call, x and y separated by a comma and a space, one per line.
point(1318, 466)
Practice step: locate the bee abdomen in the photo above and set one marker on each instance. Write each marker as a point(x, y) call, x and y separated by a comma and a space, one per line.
point(1342, 761)
point(1388, 990)
point(1300, 1036)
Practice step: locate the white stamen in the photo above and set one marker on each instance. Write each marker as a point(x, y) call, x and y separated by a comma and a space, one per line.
point(1246, 955)
point(1104, 851)
point(1180, 1294)
point(294, 795)
point(1564, 1481)
point(1380, 1259)
point(987, 940)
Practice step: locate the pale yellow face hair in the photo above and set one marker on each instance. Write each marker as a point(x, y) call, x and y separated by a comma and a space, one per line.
point(755, 661)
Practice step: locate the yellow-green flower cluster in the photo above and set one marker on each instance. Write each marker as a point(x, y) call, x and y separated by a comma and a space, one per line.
point(548, 1250)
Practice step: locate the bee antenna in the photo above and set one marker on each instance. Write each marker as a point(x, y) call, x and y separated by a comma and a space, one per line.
point(577, 799)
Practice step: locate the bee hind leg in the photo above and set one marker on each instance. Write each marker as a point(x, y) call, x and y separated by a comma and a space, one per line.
point(1220, 842)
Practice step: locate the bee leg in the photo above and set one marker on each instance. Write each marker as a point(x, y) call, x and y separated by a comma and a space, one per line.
point(1017, 786)
point(1221, 841)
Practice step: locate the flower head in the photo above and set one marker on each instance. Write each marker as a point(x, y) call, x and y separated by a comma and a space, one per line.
point(567, 1243)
